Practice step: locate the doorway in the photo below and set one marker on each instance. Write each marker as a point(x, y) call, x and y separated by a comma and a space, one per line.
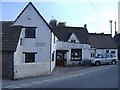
point(61, 57)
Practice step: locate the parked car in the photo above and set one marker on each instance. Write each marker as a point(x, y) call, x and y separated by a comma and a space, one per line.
point(104, 59)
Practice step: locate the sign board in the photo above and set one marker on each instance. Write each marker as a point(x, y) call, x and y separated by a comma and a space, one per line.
point(41, 44)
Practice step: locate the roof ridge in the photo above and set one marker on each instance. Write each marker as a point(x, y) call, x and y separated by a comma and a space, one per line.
point(30, 3)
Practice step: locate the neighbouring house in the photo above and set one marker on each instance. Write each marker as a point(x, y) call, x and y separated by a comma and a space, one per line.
point(10, 36)
point(117, 38)
point(29, 51)
point(72, 45)
point(117, 41)
point(102, 44)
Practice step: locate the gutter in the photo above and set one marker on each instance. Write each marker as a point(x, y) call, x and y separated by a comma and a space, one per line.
point(50, 49)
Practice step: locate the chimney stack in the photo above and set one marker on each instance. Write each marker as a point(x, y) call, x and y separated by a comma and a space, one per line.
point(85, 26)
point(111, 26)
point(53, 23)
point(115, 28)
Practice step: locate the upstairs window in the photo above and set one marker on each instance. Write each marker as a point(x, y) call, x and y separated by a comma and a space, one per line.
point(30, 32)
point(73, 41)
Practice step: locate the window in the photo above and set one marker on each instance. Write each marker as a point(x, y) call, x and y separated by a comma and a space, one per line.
point(53, 55)
point(30, 32)
point(76, 54)
point(107, 51)
point(92, 55)
point(73, 41)
point(113, 52)
point(20, 41)
point(59, 56)
point(29, 57)
point(54, 38)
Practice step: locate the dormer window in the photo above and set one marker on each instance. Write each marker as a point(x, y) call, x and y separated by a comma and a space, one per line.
point(30, 32)
point(73, 41)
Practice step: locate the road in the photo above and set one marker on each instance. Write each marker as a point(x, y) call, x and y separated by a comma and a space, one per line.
point(104, 76)
point(101, 78)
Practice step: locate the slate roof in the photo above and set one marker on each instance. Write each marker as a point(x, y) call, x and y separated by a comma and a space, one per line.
point(64, 33)
point(117, 38)
point(102, 41)
point(10, 36)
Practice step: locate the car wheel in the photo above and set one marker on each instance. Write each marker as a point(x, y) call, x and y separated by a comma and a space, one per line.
point(113, 62)
point(97, 63)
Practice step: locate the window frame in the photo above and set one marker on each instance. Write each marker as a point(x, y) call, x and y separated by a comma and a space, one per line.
point(107, 51)
point(73, 41)
point(27, 56)
point(112, 52)
point(27, 34)
point(75, 57)
point(53, 55)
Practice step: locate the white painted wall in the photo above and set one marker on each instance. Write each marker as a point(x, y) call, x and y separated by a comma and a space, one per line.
point(53, 50)
point(31, 69)
point(73, 37)
point(67, 45)
point(103, 51)
point(41, 44)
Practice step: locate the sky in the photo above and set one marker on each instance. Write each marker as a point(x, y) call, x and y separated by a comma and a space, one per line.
point(95, 13)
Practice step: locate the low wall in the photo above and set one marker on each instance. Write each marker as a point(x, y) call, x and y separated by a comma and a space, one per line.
point(31, 69)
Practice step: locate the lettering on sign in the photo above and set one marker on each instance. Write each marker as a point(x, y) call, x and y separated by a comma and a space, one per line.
point(40, 44)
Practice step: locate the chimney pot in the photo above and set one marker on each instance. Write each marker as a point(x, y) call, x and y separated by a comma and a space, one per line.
point(85, 25)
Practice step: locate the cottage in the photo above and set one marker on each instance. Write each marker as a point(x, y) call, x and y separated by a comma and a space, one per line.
point(102, 44)
point(72, 45)
point(34, 49)
point(10, 36)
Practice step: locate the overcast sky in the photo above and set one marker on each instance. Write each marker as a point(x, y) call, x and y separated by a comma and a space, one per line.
point(95, 13)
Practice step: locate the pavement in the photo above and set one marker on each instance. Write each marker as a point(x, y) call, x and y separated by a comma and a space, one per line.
point(59, 73)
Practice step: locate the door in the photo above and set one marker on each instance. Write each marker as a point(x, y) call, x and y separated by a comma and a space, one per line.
point(59, 58)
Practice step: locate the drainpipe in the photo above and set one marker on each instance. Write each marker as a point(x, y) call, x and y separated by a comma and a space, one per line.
point(50, 49)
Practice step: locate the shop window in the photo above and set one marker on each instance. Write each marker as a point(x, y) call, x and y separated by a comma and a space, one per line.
point(76, 54)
